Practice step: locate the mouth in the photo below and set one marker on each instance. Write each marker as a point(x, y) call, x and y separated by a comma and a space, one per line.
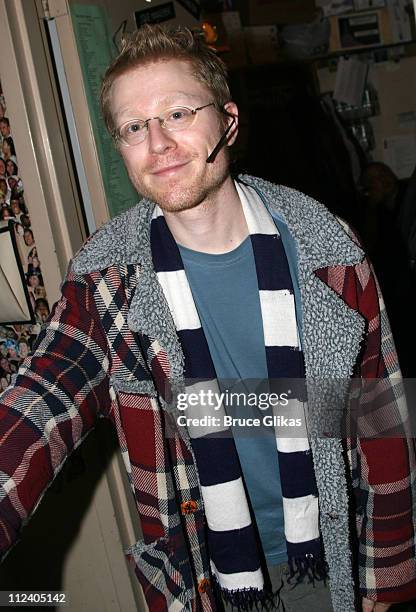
point(169, 170)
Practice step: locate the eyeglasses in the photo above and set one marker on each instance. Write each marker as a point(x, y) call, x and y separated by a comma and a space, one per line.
point(173, 119)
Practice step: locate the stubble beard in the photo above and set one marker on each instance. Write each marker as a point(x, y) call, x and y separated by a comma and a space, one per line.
point(179, 195)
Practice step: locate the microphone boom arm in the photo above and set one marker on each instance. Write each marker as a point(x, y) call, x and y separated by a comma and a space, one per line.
point(211, 157)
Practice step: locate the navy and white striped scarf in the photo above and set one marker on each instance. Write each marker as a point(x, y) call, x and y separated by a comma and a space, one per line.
point(232, 543)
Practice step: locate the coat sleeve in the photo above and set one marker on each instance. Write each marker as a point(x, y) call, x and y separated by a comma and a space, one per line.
point(53, 404)
point(386, 459)
point(380, 446)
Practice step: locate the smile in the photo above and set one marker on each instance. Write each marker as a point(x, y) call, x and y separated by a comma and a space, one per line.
point(169, 170)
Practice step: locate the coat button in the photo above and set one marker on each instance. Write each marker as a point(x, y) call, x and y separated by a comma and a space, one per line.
point(333, 515)
point(203, 585)
point(189, 507)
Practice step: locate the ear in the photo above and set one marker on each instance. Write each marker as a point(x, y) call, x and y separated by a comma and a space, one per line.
point(232, 109)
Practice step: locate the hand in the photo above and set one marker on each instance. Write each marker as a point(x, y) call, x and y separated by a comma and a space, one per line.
point(375, 606)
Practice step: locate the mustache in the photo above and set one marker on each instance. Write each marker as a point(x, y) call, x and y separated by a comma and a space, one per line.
point(168, 161)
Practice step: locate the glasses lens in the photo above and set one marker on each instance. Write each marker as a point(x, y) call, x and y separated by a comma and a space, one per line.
point(133, 132)
point(178, 118)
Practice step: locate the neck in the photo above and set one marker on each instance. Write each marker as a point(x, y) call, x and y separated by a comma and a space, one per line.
point(217, 225)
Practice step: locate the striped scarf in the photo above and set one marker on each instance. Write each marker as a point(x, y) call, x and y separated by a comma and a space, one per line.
point(233, 546)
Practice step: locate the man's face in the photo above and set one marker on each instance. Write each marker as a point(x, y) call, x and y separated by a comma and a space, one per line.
point(168, 167)
point(4, 129)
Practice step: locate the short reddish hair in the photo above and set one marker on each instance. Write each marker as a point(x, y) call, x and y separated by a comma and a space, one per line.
point(152, 43)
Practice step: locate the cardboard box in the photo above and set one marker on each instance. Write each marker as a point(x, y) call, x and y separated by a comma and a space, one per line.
point(273, 12)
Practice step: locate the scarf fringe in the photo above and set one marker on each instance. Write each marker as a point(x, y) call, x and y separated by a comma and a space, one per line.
point(315, 569)
point(246, 600)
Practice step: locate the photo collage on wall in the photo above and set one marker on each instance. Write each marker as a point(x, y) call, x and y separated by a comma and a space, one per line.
point(16, 341)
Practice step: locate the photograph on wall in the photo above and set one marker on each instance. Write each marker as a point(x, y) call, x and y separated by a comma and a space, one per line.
point(17, 338)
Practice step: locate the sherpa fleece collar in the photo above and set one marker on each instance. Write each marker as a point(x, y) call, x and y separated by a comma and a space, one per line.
point(320, 239)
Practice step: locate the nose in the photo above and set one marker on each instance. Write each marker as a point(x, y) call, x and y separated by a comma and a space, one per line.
point(159, 139)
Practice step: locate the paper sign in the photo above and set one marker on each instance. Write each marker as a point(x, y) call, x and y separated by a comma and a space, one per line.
point(96, 50)
point(400, 154)
point(399, 20)
point(407, 120)
point(335, 7)
point(350, 81)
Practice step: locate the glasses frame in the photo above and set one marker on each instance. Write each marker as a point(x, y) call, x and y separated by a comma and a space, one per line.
point(118, 139)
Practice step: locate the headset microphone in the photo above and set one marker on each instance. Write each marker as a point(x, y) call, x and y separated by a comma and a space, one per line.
point(211, 157)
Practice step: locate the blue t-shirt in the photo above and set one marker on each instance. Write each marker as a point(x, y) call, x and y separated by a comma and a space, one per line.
point(225, 291)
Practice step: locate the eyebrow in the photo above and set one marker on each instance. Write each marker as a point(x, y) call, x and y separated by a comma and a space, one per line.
point(171, 98)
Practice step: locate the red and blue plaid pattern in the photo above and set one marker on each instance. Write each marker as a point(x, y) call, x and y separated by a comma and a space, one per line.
point(383, 467)
point(88, 364)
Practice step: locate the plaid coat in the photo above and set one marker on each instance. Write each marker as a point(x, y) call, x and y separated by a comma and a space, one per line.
point(110, 350)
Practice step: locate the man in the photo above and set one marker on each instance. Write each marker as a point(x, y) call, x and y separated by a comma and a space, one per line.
point(5, 127)
point(218, 280)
